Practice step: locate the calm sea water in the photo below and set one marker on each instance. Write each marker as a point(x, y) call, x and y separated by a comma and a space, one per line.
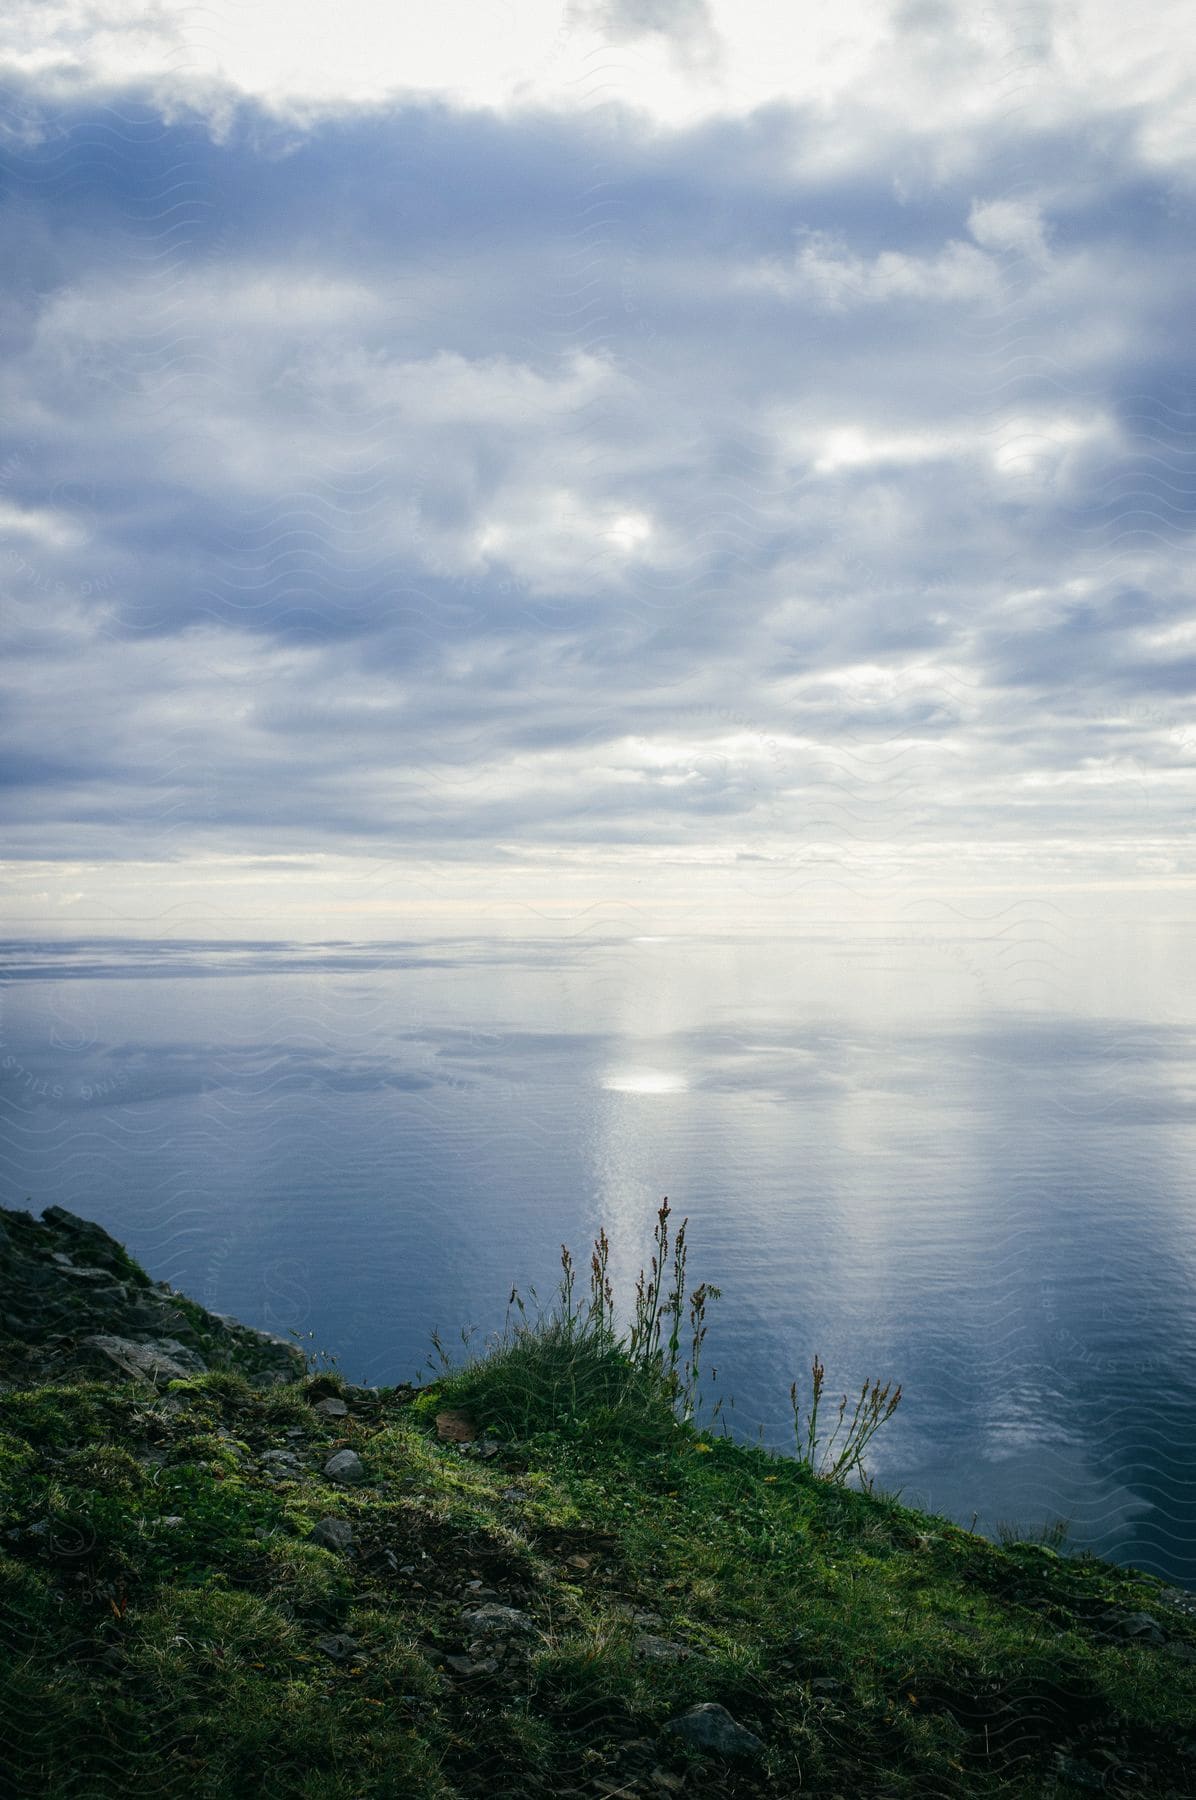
point(961, 1162)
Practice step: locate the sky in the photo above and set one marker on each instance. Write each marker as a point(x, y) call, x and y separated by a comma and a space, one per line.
point(624, 460)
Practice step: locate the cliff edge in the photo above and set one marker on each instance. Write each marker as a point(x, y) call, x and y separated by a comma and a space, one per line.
point(72, 1300)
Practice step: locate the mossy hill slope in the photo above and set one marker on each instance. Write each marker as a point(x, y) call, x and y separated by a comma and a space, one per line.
point(215, 1588)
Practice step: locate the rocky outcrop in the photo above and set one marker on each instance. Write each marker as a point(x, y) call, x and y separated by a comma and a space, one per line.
point(710, 1727)
point(71, 1298)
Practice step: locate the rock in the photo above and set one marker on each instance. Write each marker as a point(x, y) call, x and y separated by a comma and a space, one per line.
point(460, 1665)
point(333, 1534)
point(455, 1428)
point(637, 1615)
point(658, 1649)
point(279, 1462)
point(154, 1313)
point(340, 1647)
point(82, 1239)
point(710, 1726)
point(69, 1293)
point(321, 1387)
point(164, 1359)
point(1079, 1774)
point(346, 1467)
point(1140, 1627)
point(470, 1665)
point(496, 1621)
point(331, 1408)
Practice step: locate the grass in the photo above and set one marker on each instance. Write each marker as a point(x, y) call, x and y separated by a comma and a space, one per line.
point(168, 1625)
point(572, 1365)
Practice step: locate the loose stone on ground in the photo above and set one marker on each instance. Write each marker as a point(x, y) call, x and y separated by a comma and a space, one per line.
point(710, 1726)
point(346, 1467)
point(332, 1534)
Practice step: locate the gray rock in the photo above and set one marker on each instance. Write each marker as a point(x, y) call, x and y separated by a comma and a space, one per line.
point(710, 1726)
point(637, 1615)
point(333, 1534)
point(181, 1353)
point(279, 1462)
point(71, 1295)
point(346, 1467)
point(331, 1408)
point(1139, 1626)
point(496, 1621)
point(1080, 1774)
point(340, 1647)
point(658, 1649)
point(161, 1359)
point(141, 1319)
point(465, 1665)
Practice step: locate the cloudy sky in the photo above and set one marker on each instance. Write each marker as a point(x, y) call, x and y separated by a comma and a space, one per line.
point(588, 459)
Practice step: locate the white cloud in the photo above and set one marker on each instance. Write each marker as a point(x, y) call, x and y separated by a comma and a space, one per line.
point(874, 68)
point(1014, 225)
point(533, 487)
point(824, 273)
point(54, 530)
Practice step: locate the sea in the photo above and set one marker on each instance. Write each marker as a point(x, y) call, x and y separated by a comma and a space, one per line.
point(958, 1159)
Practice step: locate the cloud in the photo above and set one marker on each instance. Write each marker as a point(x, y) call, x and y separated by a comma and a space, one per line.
point(686, 25)
point(925, 80)
point(824, 274)
point(1015, 225)
point(538, 490)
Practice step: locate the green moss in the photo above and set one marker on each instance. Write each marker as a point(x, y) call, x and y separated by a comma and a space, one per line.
point(164, 1615)
point(52, 1417)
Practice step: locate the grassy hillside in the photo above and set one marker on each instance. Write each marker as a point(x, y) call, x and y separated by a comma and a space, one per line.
point(534, 1613)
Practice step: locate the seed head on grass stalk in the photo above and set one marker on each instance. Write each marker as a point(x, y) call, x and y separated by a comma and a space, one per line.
point(703, 1293)
point(573, 1364)
point(842, 1454)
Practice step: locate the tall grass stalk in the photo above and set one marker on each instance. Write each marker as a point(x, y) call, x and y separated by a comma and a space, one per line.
point(574, 1364)
point(841, 1454)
